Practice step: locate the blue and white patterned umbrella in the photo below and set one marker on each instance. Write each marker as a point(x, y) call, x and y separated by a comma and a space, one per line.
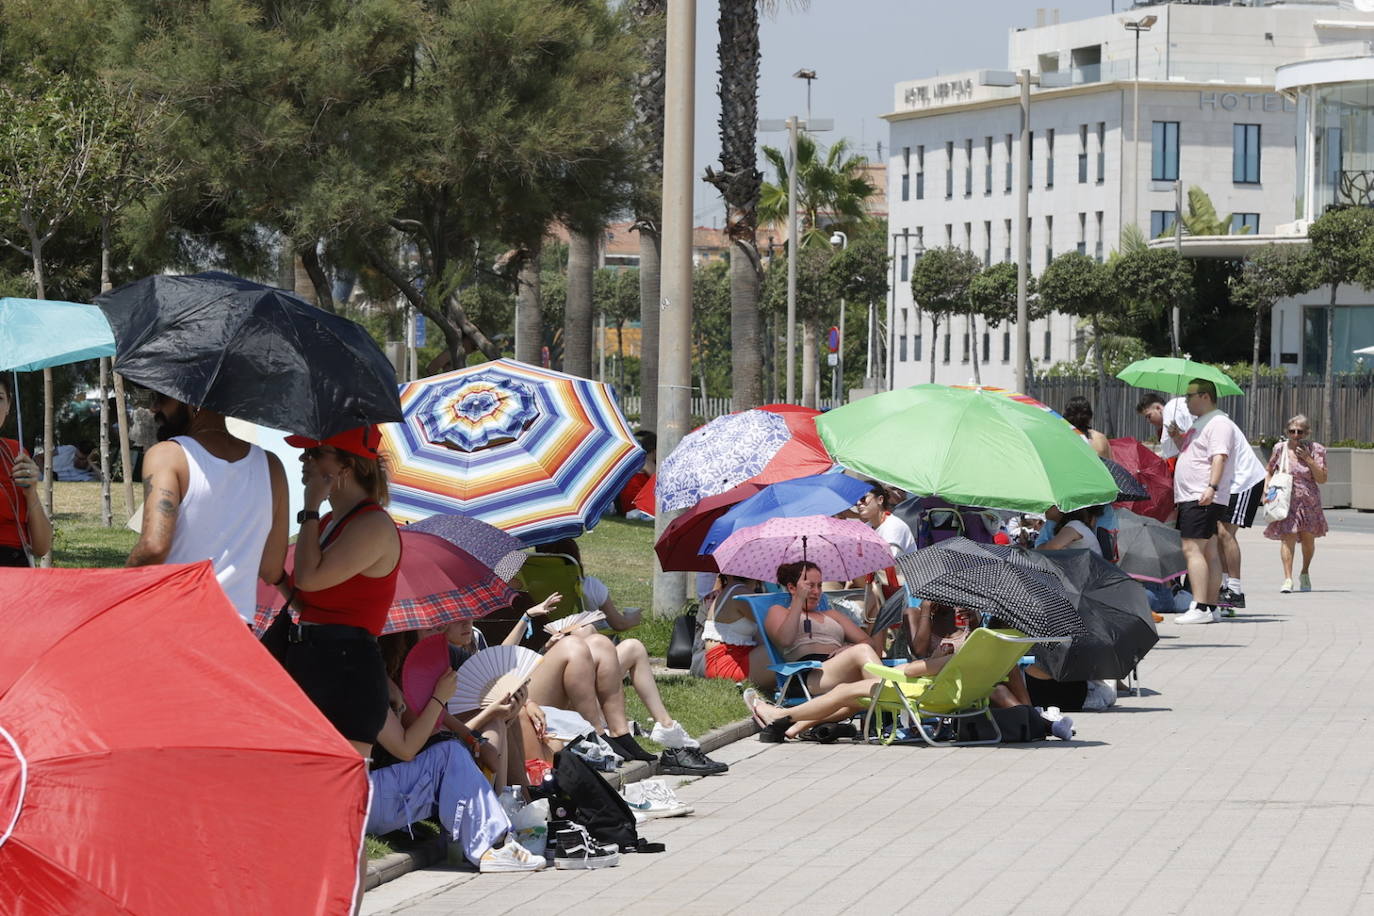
point(719, 455)
point(536, 453)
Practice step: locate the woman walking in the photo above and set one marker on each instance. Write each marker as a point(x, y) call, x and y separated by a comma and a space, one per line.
point(1305, 522)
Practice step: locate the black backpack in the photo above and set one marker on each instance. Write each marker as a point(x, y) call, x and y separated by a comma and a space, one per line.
point(590, 801)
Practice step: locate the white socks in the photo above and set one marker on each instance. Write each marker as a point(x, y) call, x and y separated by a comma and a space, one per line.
point(1234, 585)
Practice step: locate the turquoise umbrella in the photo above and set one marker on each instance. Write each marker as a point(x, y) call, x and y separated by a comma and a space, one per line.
point(38, 333)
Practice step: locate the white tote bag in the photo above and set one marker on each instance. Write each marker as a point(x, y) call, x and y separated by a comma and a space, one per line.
point(1280, 491)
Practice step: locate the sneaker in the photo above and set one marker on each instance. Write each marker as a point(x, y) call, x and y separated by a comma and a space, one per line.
point(510, 857)
point(1224, 610)
point(1197, 613)
point(1287, 587)
point(652, 798)
point(672, 736)
point(689, 761)
point(1304, 582)
point(1237, 600)
point(574, 848)
point(1216, 613)
point(1062, 728)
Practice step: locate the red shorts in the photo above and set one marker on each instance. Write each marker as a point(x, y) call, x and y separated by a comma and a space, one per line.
point(728, 662)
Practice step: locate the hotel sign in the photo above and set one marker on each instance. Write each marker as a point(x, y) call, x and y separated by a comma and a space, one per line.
point(938, 92)
point(1245, 101)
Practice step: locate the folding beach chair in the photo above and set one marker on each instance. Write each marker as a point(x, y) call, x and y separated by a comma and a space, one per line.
point(960, 689)
point(541, 575)
point(791, 676)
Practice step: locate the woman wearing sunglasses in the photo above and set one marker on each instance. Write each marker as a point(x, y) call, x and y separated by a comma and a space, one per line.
point(1305, 460)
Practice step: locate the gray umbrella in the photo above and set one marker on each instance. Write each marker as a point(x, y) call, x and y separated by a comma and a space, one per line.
point(1149, 550)
point(1115, 613)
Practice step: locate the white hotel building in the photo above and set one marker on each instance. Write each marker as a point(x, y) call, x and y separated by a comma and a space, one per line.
point(1208, 116)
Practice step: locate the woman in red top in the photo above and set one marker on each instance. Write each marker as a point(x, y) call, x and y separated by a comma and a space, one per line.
point(345, 580)
point(24, 526)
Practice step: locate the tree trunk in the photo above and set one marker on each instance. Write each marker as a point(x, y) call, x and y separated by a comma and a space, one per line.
point(648, 327)
point(529, 321)
point(1252, 400)
point(324, 295)
point(620, 355)
point(810, 337)
point(973, 346)
point(106, 507)
point(746, 360)
point(577, 313)
point(934, 340)
point(1329, 371)
point(1100, 383)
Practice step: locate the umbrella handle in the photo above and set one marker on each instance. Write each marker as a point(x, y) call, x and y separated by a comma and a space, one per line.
point(18, 414)
point(803, 548)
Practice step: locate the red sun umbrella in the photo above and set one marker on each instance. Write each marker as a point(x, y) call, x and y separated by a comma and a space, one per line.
point(154, 759)
point(1152, 471)
point(439, 583)
point(800, 456)
point(679, 545)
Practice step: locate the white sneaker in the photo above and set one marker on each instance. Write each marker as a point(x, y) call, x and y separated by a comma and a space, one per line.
point(1287, 587)
point(672, 736)
point(652, 798)
point(1194, 614)
point(510, 857)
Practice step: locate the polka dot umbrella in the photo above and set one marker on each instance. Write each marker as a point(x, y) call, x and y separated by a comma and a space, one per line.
point(537, 453)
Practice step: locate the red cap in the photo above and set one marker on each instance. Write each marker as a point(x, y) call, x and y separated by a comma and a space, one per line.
point(362, 441)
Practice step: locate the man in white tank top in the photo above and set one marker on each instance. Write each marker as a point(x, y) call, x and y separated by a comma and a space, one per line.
point(208, 495)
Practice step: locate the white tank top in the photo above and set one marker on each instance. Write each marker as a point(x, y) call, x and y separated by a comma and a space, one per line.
point(1087, 538)
point(225, 517)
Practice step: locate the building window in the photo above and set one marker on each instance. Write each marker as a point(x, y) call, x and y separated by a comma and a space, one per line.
point(1097, 246)
point(906, 173)
point(1049, 239)
point(1245, 222)
point(987, 242)
point(1006, 348)
point(946, 354)
point(901, 340)
point(1082, 154)
point(987, 166)
point(1161, 221)
point(1245, 154)
point(949, 170)
point(965, 359)
point(987, 346)
point(1030, 158)
point(1082, 233)
point(1101, 151)
point(968, 168)
point(920, 173)
point(916, 347)
point(1047, 344)
point(1006, 189)
point(1006, 253)
point(1164, 158)
point(949, 235)
point(968, 237)
point(906, 267)
point(1049, 158)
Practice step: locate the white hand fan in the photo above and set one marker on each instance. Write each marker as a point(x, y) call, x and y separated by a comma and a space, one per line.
point(491, 674)
point(563, 624)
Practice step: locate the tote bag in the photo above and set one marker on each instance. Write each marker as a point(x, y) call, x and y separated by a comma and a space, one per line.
point(1280, 491)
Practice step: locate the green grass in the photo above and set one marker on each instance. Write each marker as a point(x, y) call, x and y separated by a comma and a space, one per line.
point(621, 554)
point(699, 704)
point(78, 537)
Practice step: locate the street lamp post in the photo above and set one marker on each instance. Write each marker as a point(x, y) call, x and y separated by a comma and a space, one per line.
point(1137, 26)
point(840, 239)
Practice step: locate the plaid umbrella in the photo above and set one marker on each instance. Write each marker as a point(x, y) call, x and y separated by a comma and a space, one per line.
point(539, 454)
point(438, 583)
point(771, 443)
point(1115, 614)
point(1129, 490)
point(843, 548)
point(1014, 584)
point(502, 553)
point(1150, 550)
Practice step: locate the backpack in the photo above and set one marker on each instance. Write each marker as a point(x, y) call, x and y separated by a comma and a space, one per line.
point(1018, 724)
point(590, 801)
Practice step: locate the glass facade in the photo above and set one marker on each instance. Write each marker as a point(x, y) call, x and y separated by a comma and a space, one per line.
point(1342, 140)
point(1354, 329)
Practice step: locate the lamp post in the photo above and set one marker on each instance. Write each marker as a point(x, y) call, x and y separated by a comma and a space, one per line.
point(807, 74)
point(841, 240)
point(1137, 26)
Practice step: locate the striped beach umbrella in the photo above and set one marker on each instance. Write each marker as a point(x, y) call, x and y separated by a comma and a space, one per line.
point(539, 454)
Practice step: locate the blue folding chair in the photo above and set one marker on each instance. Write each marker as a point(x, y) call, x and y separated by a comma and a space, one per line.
point(788, 673)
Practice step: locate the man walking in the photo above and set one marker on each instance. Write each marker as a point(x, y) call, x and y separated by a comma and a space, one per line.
point(1202, 486)
point(1247, 492)
point(208, 495)
point(1170, 419)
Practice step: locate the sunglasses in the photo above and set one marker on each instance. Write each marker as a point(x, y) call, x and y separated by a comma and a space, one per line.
point(318, 450)
point(1296, 432)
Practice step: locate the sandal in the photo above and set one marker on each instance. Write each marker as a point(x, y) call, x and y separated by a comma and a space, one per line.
point(774, 732)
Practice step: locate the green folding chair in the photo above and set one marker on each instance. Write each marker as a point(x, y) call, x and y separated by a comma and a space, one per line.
point(960, 690)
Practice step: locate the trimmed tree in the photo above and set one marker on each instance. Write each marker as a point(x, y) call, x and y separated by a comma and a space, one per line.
point(1149, 280)
point(1077, 285)
point(1272, 273)
point(1339, 238)
point(940, 284)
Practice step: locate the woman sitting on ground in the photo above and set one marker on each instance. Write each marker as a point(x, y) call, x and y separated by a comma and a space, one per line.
point(1079, 413)
point(730, 635)
point(414, 770)
point(1077, 530)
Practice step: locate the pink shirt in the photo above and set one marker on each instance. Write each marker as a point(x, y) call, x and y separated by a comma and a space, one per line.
point(1194, 470)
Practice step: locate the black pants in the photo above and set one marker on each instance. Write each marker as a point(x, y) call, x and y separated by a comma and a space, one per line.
point(346, 679)
point(13, 556)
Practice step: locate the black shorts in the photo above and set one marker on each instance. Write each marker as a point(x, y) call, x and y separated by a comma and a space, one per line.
point(1199, 523)
point(346, 679)
point(1245, 506)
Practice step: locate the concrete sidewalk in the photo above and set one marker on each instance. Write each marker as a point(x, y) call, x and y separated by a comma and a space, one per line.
point(1239, 783)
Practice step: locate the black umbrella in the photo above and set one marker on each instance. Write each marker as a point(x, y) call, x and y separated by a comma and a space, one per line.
point(1129, 490)
point(1150, 550)
point(1015, 585)
point(1115, 611)
point(252, 352)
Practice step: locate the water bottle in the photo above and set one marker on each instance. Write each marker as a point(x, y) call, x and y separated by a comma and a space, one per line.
point(511, 801)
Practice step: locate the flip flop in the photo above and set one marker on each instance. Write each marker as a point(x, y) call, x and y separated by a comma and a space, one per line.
point(774, 732)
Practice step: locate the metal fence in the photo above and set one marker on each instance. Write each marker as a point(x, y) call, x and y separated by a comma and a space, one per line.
point(1276, 400)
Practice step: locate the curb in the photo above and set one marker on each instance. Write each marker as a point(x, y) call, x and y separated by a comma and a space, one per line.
point(389, 868)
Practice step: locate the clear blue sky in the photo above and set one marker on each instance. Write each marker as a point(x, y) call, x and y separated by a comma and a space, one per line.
point(859, 50)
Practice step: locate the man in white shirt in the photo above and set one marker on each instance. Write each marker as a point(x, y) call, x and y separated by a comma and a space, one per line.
point(1247, 492)
point(1170, 419)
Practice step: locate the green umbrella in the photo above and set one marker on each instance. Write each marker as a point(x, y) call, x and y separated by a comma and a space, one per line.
point(971, 446)
point(1173, 373)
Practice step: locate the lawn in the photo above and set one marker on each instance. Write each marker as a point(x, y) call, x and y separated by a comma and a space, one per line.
point(78, 537)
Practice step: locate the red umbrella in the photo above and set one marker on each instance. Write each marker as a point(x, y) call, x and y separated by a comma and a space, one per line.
point(678, 546)
point(154, 759)
point(439, 583)
point(1152, 471)
point(802, 456)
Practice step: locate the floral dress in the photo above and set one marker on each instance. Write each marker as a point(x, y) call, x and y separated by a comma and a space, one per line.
point(1305, 507)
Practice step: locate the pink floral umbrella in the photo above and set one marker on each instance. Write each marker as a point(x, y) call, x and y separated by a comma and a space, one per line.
point(843, 548)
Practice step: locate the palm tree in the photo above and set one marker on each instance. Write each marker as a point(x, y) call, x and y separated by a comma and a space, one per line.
point(648, 104)
point(831, 194)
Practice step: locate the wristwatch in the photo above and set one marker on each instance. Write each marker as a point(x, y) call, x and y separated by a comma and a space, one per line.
point(306, 515)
